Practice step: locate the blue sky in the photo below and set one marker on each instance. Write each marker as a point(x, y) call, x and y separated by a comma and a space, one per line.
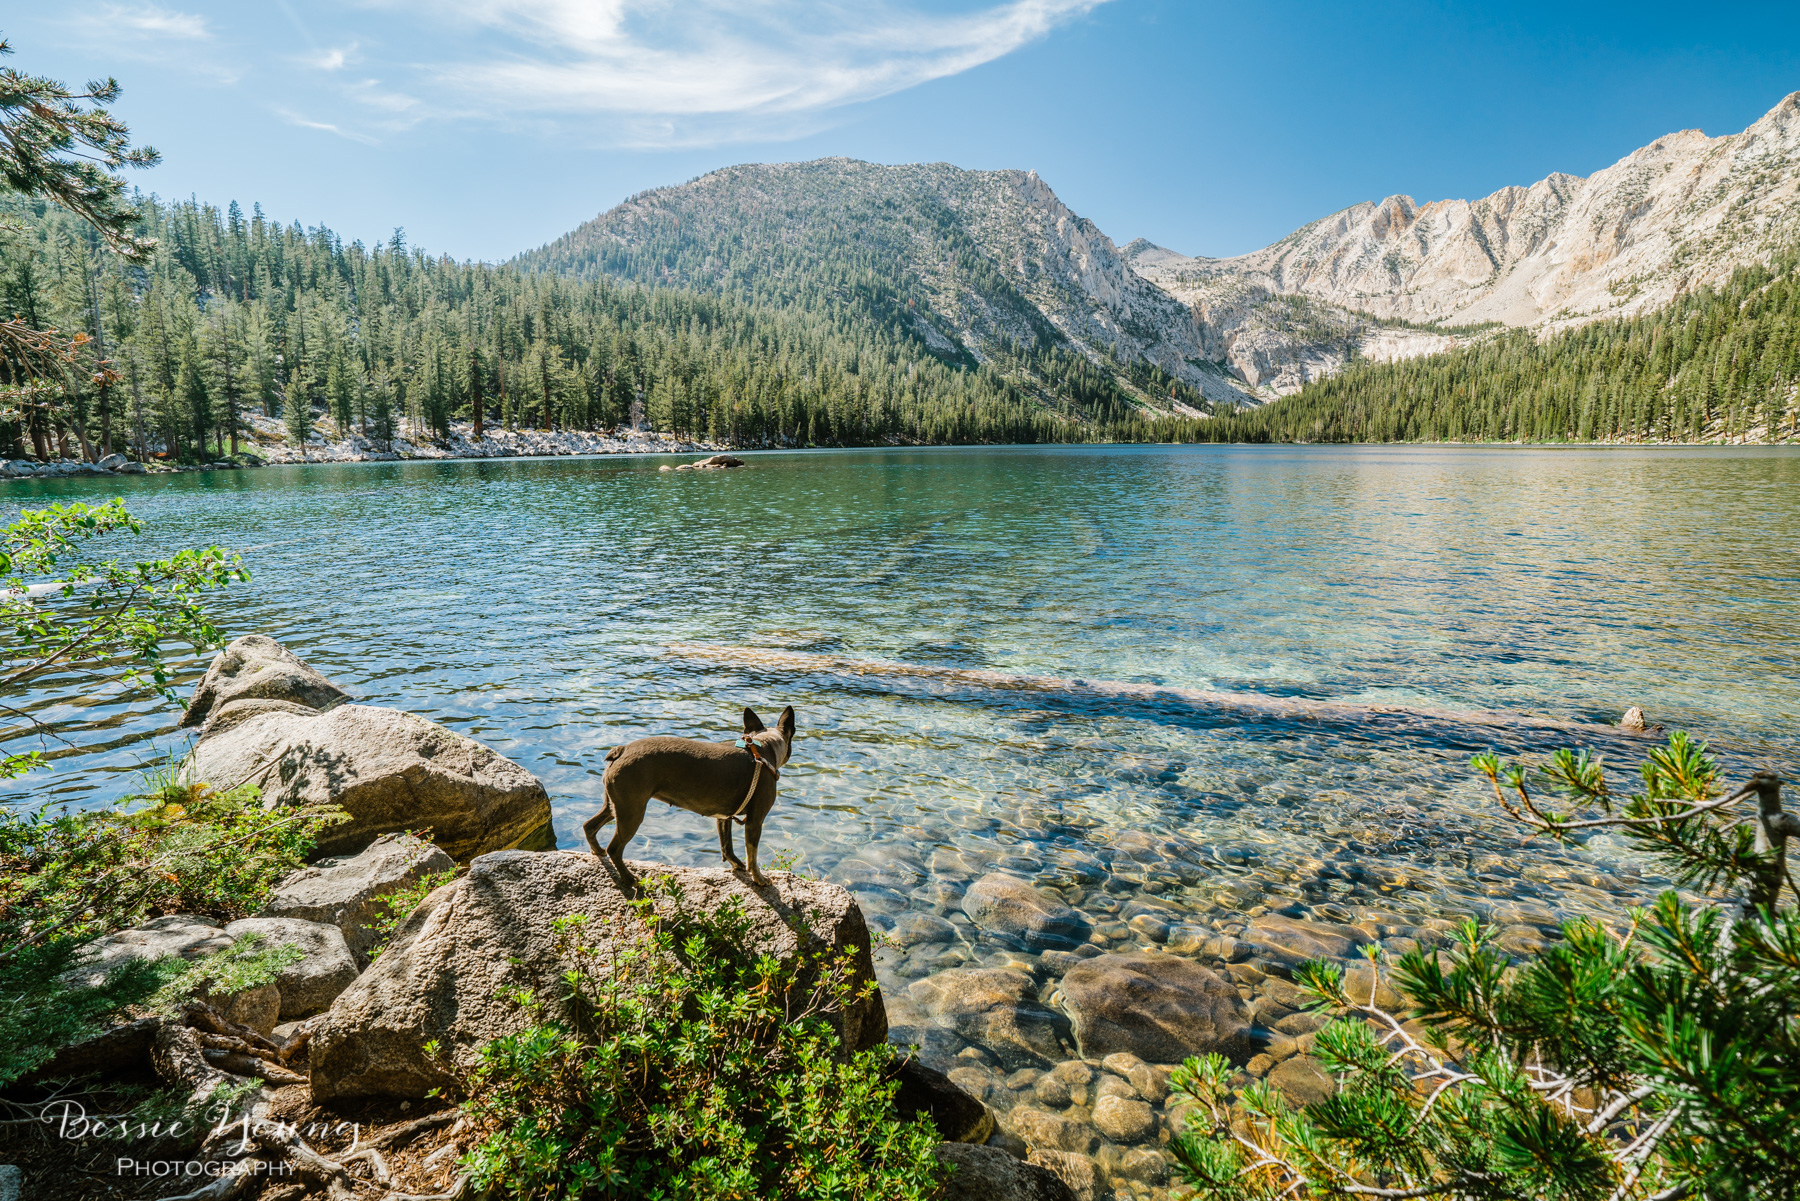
point(489, 126)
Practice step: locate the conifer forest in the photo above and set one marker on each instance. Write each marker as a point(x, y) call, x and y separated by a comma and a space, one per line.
point(233, 315)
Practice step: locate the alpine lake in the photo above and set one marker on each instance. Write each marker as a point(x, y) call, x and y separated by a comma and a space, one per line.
point(1219, 702)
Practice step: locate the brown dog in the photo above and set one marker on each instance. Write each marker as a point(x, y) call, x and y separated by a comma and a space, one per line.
point(720, 780)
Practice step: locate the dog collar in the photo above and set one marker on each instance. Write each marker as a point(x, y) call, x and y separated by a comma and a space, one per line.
point(756, 757)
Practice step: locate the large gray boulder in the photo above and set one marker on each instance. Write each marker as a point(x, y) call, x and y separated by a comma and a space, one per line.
point(997, 1008)
point(184, 936)
point(256, 667)
point(389, 770)
point(990, 1174)
point(346, 891)
point(313, 982)
point(1161, 1008)
point(1014, 911)
point(492, 932)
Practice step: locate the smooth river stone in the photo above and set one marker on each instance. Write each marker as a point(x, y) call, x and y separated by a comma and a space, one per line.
point(1302, 1081)
point(1043, 1130)
point(1124, 1120)
point(914, 929)
point(997, 1009)
point(1292, 941)
point(1010, 908)
point(1161, 1008)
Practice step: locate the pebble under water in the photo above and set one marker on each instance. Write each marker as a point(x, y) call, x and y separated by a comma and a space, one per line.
point(1209, 703)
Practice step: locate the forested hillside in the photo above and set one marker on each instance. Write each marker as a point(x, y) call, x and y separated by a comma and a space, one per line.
point(1717, 364)
point(235, 312)
point(982, 266)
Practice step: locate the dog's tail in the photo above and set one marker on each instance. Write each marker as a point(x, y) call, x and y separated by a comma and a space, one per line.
point(614, 753)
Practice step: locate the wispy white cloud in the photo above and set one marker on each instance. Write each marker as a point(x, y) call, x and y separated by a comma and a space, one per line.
point(304, 122)
point(329, 58)
point(150, 33)
point(154, 20)
point(715, 70)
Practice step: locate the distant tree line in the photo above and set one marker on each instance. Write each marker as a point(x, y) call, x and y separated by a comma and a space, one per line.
point(1718, 364)
point(223, 315)
point(232, 313)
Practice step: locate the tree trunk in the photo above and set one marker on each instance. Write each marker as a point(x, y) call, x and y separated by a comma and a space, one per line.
point(38, 442)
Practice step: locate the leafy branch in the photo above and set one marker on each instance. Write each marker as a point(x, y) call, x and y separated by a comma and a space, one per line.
point(112, 619)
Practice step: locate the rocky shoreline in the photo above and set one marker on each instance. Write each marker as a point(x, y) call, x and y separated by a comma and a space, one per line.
point(265, 445)
point(347, 1024)
point(1051, 1044)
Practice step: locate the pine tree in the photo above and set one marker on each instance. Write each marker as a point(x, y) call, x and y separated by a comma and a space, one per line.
point(340, 395)
point(296, 410)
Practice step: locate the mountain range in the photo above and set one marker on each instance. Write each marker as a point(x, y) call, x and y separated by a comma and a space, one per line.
point(978, 266)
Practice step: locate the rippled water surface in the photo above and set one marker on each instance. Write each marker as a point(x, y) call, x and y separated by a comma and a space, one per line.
point(1188, 686)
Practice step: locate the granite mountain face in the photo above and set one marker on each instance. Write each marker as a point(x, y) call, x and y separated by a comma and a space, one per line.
point(1682, 212)
point(974, 264)
point(979, 264)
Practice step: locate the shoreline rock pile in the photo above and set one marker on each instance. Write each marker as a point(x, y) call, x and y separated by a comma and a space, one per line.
point(114, 464)
point(358, 1019)
point(267, 718)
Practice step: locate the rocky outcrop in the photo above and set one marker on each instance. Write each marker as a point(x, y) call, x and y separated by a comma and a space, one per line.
point(1683, 211)
point(346, 891)
point(256, 667)
point(312, 982)
point(492, 931)
point(996, 1008)
point(1013, 910)
point(1161, 1008)
point(990, 1174)
point(389, 770)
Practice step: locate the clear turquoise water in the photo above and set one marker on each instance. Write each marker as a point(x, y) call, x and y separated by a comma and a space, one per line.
point(1478, 598)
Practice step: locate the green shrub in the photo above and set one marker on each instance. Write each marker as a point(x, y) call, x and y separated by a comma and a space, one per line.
point(400, 903)
point(1651, 1063)
point(67, 879)
point(687, 1068)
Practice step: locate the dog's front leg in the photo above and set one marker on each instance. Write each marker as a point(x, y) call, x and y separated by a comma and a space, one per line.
point(753, 836)
point(726, 850)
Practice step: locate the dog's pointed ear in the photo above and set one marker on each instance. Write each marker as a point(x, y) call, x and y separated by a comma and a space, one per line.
point(786, 724)
point(752, 723)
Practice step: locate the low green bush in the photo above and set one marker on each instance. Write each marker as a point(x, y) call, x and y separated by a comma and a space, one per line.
point(687, 1068)
point(67, 879)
